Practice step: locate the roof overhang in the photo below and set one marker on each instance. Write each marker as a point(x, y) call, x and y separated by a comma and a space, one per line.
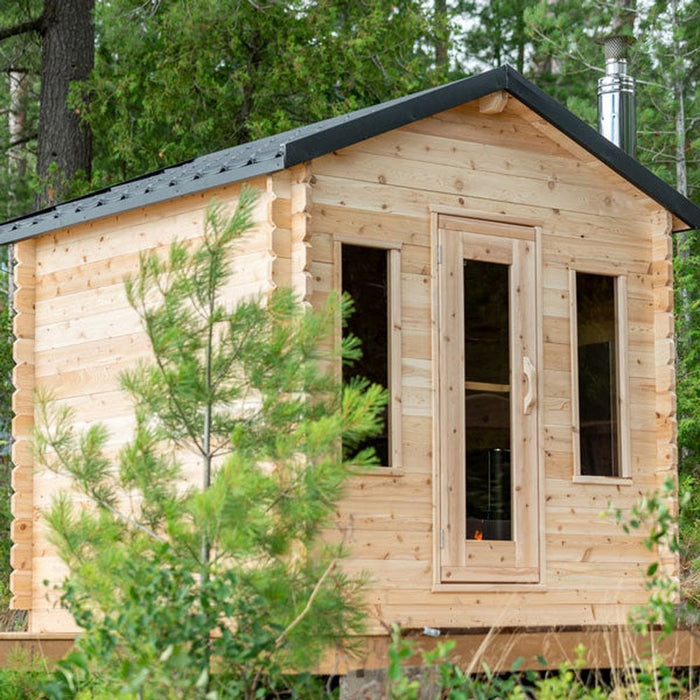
point(305, 143)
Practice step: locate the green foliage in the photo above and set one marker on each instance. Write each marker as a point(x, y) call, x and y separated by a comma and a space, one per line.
point(653, 514)
point(567, 683)
point(567, 60)
point(398, 684)
point(178, 79)
point(498, 36)
point(174, 80)
point(654, 679)
point(6, 388)
point(22, 675)
point(21, 684)
point(20, 59)
point(442, 678)
point(219, 587)
point(447, 680)
point(687, 275)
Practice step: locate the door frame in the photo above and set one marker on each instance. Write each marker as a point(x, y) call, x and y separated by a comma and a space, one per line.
point(459, 562)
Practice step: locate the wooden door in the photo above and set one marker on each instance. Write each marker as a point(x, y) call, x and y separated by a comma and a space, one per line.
point(488, 451)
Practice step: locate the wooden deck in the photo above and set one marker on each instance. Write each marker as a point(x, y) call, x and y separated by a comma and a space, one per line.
point(51, 647)
point(606, 647)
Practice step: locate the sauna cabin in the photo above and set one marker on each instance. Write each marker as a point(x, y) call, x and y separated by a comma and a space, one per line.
point(513, 283)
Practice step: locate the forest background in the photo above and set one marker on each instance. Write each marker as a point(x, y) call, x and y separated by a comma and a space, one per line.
point(94, 92)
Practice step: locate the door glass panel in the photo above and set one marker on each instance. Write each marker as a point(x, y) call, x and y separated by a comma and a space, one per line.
point(597, 375)
point(487, 400)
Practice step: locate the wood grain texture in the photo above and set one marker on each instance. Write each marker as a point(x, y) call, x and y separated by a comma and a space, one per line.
point(394, 185)
point(665, 354)
point(22, 478)
point(83, 334)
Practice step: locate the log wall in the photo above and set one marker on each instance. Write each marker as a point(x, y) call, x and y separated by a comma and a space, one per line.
point(22, 503)
point(508, 165)
point(76, 332)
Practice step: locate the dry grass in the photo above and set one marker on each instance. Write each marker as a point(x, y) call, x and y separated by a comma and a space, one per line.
point(13, 620)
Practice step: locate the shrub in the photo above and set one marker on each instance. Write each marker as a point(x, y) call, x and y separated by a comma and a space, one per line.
point(219, 589)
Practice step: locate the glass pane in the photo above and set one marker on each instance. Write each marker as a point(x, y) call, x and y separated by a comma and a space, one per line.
point(486, 322)
point(365, 279)
point(597, 375)
point(487, 400)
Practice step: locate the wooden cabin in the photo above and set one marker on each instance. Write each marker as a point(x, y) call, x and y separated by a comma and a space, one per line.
point(514, 269)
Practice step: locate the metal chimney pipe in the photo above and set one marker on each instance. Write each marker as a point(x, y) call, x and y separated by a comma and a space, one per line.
point(617, 119)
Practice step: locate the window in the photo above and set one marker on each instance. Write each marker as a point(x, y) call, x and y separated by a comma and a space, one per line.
point(488, 469)
point(370, 275)
point(599, 376)
point(487, 399)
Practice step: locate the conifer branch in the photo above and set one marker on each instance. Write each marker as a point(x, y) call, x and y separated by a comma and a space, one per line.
point(127, 520)
point(309, 603)
point(32, 25)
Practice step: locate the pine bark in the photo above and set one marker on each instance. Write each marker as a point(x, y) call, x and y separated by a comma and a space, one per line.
point(68, 55)
point(16, 123)
point(441, 34)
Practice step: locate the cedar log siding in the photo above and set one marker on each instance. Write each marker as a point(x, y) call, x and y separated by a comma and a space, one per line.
point(500, 162)
point(22, 501)
point(508, 166)
point(86, 334)
point(665, 356)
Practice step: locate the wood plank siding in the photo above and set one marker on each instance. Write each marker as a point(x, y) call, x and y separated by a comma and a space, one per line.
point(84, 334)
point(76, 332)
point(502, 167)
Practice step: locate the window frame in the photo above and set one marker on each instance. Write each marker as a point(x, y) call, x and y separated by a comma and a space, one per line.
point(462, 564)
point(622, 371)
point(394, 369)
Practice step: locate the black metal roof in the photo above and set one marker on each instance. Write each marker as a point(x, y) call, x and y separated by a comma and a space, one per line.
point(296, 146)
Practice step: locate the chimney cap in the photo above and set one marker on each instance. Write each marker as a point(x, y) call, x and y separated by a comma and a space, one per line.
point(615, 46)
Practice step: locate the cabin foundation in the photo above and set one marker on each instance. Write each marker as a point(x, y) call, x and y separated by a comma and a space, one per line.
point(606, 648)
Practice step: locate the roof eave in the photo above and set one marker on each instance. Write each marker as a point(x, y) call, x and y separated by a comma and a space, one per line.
point(404, 111)
point(626, 166)
point(47, 220)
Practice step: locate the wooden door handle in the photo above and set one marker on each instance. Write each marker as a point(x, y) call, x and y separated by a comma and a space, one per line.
point(531, 380)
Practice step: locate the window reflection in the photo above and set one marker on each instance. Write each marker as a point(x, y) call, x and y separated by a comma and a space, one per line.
point(597, 375)
point(487, 400)
point(365, 279)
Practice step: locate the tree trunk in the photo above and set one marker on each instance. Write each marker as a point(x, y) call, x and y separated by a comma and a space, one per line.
point(16, 123)
point(441, 34)
point(68, 54)
point(521, 36)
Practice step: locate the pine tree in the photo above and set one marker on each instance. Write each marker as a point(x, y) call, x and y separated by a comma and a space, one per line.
point(226, 584)
point(66, 35)
point(495, 33)
point(178, 79)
